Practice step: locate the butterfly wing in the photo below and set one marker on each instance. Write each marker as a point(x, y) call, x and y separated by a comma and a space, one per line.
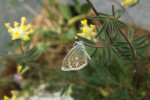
point(65, 65)
point(78, 61)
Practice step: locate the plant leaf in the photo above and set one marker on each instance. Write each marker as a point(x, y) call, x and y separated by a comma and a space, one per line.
point(111, 28)
point(103, 28)
point(109, 56)
point(86, 40)
point(104, 56)
point(121, 23)
point(130, 34)
point(102, 14)
point(140, 37)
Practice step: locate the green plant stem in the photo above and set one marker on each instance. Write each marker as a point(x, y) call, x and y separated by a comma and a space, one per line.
point(130, 45)
point(95, 11)
point(98, 45)
point(24, 56)
point(26, 61)
point(113, 10)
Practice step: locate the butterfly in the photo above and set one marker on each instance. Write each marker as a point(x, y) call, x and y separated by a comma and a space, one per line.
point(76, 59)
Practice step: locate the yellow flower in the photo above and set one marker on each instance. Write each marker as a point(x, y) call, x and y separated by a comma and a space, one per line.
point(6, 98)
point(26, 37)
point(20, 32)
point(24, 28)
point(16, 24)
point(14, 98)
point(84, 22)
point(10, 31)
point(129, 2)
point(86, 31)
point(31, 31)
point(7, 25)
point(94, 34)
point(20, 71)
point(23, 20)
point(16, 34)
point(12, 92)
point(92, 27)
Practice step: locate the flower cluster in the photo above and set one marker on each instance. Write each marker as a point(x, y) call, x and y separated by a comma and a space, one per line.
point(88, 32)
point(18, 78)
point(20, 32)
point(129, 2)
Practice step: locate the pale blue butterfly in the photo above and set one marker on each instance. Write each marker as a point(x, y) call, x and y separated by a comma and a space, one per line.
point(76, 59)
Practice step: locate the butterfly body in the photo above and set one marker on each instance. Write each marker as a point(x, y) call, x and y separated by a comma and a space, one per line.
point(76, 59)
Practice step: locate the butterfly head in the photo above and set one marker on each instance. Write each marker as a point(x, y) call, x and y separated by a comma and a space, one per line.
point(79, 46)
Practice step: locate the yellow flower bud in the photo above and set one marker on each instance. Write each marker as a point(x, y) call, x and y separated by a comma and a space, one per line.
point(28, 26)
point(12, 92)
point(13, 38)
point(94, 34)
point(7, 25)
point(10, 31)
point(86, 31)
point(16, 34)
point(23, 20)
point(31, 31)
point(84, 22)
point(24, 28)
point(26, 37)
point(129, 2)
point(6, 98)
point(16, 24)
point(92, 27)
point(14, 98)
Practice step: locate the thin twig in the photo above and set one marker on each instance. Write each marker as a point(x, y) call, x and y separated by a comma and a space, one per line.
point(99, 45)
point(113, 10)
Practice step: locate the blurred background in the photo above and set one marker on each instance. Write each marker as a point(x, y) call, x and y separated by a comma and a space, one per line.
point(55, 23)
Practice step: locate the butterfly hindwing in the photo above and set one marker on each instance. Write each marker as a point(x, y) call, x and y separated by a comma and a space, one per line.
point(65, 64)
point(77, 61)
